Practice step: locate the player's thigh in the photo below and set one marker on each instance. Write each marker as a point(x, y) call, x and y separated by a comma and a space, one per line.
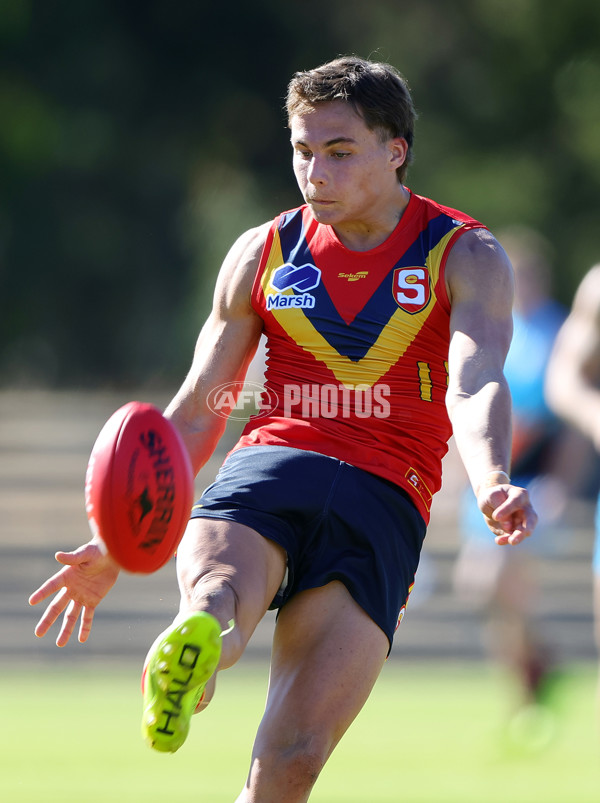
point(327, 655)
point(214, 552)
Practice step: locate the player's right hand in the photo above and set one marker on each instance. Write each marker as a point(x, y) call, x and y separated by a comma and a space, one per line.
point(88, 575)
point(508, 512)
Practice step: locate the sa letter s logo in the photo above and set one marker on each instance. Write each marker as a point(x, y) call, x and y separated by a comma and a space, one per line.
point(412, 289)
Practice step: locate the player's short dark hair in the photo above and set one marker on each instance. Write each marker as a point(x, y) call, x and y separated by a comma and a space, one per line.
point(376, 91)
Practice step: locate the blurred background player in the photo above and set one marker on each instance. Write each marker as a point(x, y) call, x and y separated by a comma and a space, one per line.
point(504, 586)
point(573, 384)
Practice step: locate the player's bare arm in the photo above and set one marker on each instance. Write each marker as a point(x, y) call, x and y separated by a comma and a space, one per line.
point(480, 287)
point(573, 377)
point(224, 349)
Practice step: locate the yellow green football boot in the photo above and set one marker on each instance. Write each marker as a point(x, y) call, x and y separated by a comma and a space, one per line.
point(176, 670)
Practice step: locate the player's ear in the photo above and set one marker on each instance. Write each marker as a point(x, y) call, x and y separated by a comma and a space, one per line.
point(398, 150)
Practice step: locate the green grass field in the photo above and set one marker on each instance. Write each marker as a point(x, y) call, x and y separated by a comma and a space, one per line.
point(428, 735)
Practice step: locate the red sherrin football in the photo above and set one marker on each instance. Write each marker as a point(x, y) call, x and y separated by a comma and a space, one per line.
point(139, 487)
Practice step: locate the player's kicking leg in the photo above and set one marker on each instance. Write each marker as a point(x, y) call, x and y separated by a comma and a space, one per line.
point(228, 576)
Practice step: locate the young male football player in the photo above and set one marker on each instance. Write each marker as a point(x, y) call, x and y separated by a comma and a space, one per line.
point(388, 319)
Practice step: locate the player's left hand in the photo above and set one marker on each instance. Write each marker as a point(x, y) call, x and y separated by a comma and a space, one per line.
point(508, 513)
point(88, 575)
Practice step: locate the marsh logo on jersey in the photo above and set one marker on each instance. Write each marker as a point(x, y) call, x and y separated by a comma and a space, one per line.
point(411, 288)
point(300, 279)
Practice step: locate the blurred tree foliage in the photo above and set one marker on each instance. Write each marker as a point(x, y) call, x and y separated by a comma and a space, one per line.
point(138, 139)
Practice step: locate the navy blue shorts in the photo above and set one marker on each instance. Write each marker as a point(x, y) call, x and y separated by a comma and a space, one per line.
point(335, 521)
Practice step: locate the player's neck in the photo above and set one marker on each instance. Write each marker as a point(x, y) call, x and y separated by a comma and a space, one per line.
point(364, 235)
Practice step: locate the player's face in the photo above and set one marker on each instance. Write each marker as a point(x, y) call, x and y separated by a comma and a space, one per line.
point(347, 175)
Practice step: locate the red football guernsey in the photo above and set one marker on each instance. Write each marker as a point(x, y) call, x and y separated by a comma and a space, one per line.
point(357, 345)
